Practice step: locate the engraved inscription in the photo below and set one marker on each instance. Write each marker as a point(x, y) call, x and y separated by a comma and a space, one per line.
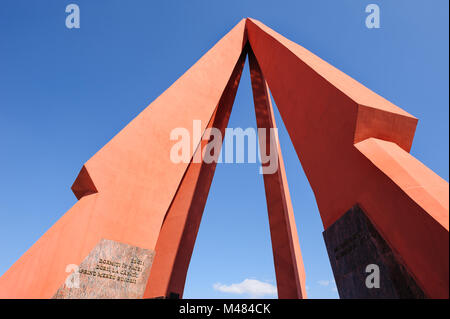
point(111, 270)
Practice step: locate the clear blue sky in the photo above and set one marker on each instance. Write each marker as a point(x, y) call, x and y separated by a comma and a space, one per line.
point(65, 93)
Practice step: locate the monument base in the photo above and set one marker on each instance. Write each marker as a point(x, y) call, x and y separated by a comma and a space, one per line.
point(357, 251)
point(112, 270)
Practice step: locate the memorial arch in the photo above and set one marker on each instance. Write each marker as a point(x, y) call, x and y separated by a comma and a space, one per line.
point(133, 229)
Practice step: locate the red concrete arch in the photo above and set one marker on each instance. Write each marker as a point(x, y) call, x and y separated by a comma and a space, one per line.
point(353, 145)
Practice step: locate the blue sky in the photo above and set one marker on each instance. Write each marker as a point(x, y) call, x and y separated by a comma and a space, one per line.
point(65, 93)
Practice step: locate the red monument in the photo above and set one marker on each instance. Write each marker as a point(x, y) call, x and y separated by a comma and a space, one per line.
point(132, 231)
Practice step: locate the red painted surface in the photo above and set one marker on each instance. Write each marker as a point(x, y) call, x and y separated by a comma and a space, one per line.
point(352, 143)
point(134, 177)
point(178, 233)
point(289, 269)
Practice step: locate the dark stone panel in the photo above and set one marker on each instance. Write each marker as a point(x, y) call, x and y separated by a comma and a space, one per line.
point(111, 270)
point(353, 243)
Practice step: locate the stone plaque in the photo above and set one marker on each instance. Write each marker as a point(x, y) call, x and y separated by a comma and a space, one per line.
point(111, 270)
point(353, 243)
